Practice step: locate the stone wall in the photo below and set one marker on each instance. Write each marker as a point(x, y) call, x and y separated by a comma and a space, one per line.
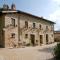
point(9, 30)
point(36, 31)
point(19, 30)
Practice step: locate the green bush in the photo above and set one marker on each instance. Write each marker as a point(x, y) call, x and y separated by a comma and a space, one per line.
point(57, 52)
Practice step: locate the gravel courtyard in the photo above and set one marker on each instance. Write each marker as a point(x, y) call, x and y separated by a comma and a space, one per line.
point(28, 53)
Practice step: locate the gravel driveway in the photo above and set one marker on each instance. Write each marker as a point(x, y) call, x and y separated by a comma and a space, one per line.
point(28, 53)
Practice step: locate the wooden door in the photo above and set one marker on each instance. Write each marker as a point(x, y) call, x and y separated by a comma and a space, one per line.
point(32, 37)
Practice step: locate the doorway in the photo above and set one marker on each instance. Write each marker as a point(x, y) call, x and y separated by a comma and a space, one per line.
point(41, 39)
point(32, 38)
point(46, 38)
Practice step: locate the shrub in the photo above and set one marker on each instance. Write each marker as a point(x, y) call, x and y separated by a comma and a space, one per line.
point(57, 52)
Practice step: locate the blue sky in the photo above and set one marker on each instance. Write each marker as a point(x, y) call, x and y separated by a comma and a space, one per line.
point(49, 9)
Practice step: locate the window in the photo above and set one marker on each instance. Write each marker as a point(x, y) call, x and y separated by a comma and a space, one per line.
point(26, 35)
point(36, 41)
point(46, 27)
point(13, 22)
point(52, 35)
point(34, 26)
point(26, 24)
point(40, 27)
point(52, 28)
point(13, 35)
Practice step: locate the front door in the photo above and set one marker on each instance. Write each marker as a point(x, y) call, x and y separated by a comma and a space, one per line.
point(41, 39)
point(32, 37)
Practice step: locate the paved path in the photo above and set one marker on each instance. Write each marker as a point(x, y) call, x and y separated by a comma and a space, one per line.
point(28, 53)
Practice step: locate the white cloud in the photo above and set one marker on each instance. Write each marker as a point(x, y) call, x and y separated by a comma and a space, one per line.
point(56, 1)
point(55, 16)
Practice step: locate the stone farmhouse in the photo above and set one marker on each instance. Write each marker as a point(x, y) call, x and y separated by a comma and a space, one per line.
point(18, 28)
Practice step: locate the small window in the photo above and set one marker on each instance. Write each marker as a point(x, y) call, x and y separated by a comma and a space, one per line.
point(34, 26)
point(52, 28)
point(13, 22)
point(26, 24)
point(26, 35)
point(40, 27)
point(13, 35)
point(36, 41)
point(52, 35)
point(46, 27)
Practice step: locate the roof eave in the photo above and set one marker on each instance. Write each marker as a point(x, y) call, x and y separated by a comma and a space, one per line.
point(36, 16)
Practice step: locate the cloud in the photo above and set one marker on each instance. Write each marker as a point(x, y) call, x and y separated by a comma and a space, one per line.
point(56, 1)
point(55, 16)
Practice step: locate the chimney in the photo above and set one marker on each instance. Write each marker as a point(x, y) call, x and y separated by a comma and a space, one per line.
point(13, 7)
point(5, 7)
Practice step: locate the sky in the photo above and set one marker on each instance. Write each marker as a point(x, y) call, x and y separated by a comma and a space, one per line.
point(49, 9)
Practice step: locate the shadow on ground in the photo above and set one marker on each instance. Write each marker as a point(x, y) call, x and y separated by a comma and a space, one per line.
point(51, 59)
point(49, 50)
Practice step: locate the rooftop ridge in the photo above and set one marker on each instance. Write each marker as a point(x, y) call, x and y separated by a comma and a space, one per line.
point(19, 11)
